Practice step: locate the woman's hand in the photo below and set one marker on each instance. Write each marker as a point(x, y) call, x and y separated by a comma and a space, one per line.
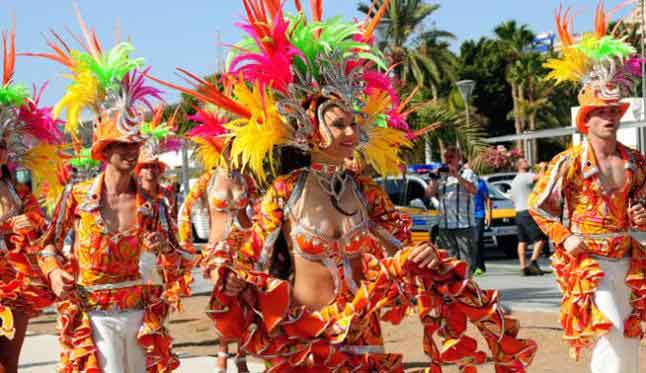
point(61, 282)
point(574, 245)
point(424, 255)
point(637, 214)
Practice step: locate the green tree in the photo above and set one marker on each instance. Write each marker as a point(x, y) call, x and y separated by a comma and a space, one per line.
point(515, 42)
point(421, 57)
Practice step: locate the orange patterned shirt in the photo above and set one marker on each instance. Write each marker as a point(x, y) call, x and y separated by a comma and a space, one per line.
point(570, 199)
point(104, 262)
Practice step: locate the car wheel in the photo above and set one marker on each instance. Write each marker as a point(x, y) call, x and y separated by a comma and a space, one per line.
point(509, 245)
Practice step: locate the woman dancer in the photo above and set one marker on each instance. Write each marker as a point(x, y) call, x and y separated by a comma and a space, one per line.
point(228, 194)
point(23, 288)
point(316, 85)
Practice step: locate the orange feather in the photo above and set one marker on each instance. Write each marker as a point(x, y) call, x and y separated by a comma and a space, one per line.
point(563, 26)
point(600, 21)
point(9, 55)
point(317, 10)
point(92, 44)
point(61, 52)
point(206, 92)
point(367, 34)
point(299, 7)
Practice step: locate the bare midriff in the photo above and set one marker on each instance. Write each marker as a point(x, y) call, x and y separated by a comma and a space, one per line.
point(229, 191)
point(314, 281)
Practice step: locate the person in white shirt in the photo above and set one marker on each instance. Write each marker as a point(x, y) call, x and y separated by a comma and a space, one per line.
point(453, 187)
point(528, 231)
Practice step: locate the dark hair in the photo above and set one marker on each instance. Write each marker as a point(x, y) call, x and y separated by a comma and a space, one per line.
point(290, 159)
point(6, 173)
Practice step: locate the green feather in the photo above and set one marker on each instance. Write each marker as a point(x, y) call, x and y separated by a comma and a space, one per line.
point(111, 67)
point(13, 95)
point(160, 132)
point(84, 160)
point(335, 35)
point(604, 48)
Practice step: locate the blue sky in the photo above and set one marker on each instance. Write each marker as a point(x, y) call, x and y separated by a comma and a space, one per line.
point(171, 33)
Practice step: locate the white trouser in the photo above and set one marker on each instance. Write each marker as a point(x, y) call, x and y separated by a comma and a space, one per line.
point(613, 353)
point(115, 336)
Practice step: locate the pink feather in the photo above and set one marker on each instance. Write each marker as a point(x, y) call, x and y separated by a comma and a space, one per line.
point(271, 66)
point(378, 81)
point(134, 84)
point(211, 125)
point(39, 122)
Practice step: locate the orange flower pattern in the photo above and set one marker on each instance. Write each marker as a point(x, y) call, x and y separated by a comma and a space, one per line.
point(572, 192)
point(106, 267)
point(345, 335)
point(23, 287)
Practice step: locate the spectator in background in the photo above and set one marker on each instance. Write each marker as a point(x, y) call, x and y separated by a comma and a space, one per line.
point(482, 213)
point(528, 231)
point(454, 186)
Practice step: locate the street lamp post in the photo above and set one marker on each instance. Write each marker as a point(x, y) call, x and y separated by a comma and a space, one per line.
point(466, 89)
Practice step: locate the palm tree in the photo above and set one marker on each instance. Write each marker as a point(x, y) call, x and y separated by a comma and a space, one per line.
point(421, 58)
point(515, 42)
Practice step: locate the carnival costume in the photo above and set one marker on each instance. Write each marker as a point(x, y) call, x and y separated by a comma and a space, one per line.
point(160, 211)
point(210, 140)
point(275, 80)
point(109, 286)
point(571, 200)
point(25, 129)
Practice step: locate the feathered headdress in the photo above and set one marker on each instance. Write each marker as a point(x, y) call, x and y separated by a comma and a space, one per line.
point(209, 136)
point(601, 62)
point(109, 83)
point(23, 124)
point(159, 138)
point(288, 70)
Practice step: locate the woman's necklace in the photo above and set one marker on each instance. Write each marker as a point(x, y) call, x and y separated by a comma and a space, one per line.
point(333, 180)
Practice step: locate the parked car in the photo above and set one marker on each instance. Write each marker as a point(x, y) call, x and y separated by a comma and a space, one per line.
point(408, 194)
point(502, 181)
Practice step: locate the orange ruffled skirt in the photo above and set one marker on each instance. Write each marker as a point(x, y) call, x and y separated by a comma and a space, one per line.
point(75, 331)
point(343, 335)
point(578, 279)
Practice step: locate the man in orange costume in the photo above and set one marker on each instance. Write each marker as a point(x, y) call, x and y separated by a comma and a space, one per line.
point(587, 203)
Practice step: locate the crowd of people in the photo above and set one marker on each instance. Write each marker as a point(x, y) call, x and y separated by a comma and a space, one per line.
point(306, 253)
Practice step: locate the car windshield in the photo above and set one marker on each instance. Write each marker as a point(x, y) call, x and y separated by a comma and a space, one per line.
point(494, 193)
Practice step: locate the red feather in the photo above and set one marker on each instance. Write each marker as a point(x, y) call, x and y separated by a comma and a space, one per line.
point(206, 92)
point(9, 55)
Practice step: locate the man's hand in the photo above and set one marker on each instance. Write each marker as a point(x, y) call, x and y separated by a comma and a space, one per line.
point(454, 170)
point(61, 282)
point(574, 245)
point(21, 222)
point(156, 242)
point(637, 214)
point(424, 256)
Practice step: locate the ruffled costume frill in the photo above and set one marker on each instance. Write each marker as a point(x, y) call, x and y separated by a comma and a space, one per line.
point(75, 331)
point(23, 287)
point(578, 278)
point(291, 337)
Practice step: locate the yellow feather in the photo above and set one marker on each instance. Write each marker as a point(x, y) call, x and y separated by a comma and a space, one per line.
point(383, 148)
point(82, 93)
point(573, 66)
point(254, 138)
point(207, 153)
point(44, 163)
